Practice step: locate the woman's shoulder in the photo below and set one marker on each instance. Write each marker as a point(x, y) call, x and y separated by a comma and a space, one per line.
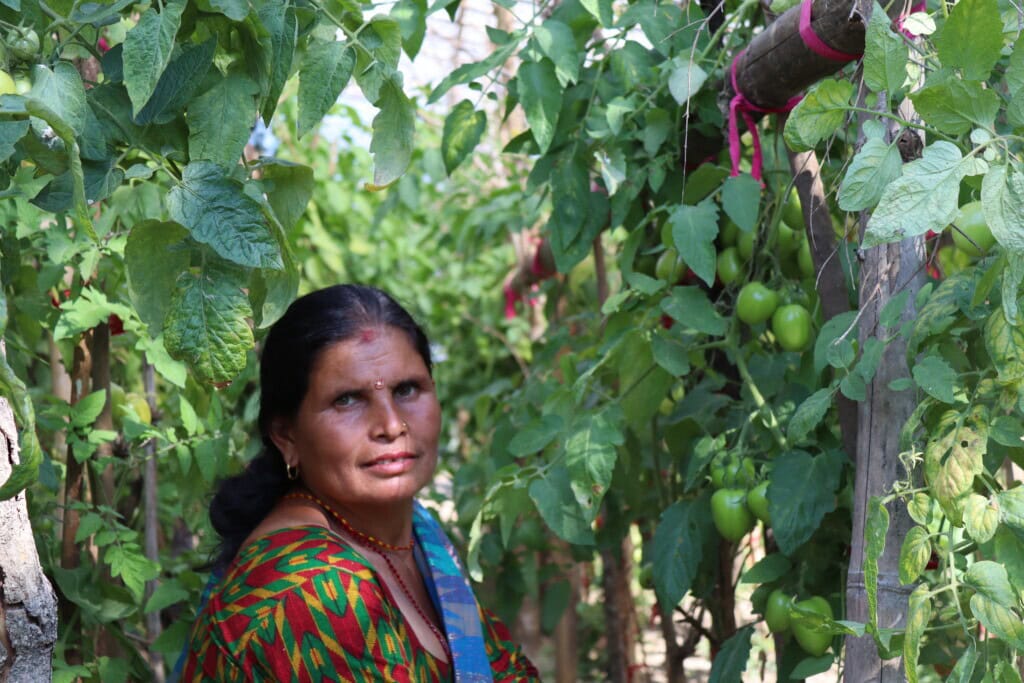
point(302, 551)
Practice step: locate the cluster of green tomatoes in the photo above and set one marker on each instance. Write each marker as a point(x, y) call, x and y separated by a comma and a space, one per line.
point(18, 45)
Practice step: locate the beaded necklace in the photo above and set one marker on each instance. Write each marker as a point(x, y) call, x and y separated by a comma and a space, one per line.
point(379, 547)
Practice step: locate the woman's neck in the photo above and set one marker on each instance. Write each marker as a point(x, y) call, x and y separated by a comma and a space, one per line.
point(381, 525)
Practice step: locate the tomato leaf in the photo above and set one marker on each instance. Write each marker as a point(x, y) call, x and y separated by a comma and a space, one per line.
point(215, 136)
point(393, 128)
point(206, 323)
point(971, 38)
point(767, 569)
point(88, 408)
point(691, 307)
point(590, 455)
point(991, 580)
point(541, 98)
point(326, 69)
point(923, 198)
point(556, 502)
point(875, 527)
point(999, 619)
point(147, 50)
point(936, 378)
point(184, 73)
point(685, 80)
point(127, 561)
point(919, 613)
point(168, 593)
point(812, 666)
point(801, 493)
point(1005, 345)
point(10, 133)
point(809, 414)
point(885, 56)
point(411, 17)
point(62, 92)
point(819, 114)
point(731, 660)
point(741, 199)
point(829, 342)
point(954, 455)
point(955, 106)
point(288, 187)
point(914, 554)
point(155, 254)
point(694, 229)
point(216, 211)
point(874, 166)
point(470, 72)
point(556, 41)
point(678, 547)
point(462, 131)
point(981, 518)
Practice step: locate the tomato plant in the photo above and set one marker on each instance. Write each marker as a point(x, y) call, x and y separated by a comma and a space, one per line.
point(730, 514)
point(791, 325)
point(813, 640)
point(756, 303)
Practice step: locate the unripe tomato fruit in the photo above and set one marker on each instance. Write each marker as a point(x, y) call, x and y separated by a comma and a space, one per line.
point(141, 407)
point(731, 472)
point(792, 210)
point(812, 642)
point(730, 231)
point(788, 239)
point(971, 223)
point(745, 245)
point(791, 326)
point(670, 266)
point(23, 44)
point(7, 86)
point(757, 501)
point(776, 611)
point(730, 514)
point(756, 303)
point(729, 266)
point(804, 261)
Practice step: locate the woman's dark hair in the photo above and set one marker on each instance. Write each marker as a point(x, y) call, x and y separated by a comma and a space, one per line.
point(311, 324)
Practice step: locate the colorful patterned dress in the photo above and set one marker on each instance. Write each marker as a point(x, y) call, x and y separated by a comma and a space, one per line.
point(300, 604)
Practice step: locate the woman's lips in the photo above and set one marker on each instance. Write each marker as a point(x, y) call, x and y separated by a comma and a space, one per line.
point(392, 463)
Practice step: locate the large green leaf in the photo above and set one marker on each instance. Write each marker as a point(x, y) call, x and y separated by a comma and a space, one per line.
point(981, 518)
point(288, 187)
point(885, 55)
point(954, 106)
point(220, 119)
point(914, 554)
point(557, 43)
point(393, 129)
point(809, 414)
point(590, 454)
point(326, 68)
point(936, 378)
point(1002, 199)
point(147, 50)
point(535, 437)
point(694, 229)
point(155, 254)
point(678, 547)
point(874, 166)
point(691, 307)
point(178, 82)
point(62, 92)
point(819, 114)
point(552, 494)
point(278, 45)
point(991, 580)
point(923, 198)
point(919, 613)
point(685, 79)
point(571, 206)
point(216, 211)
point(411, 16)
point(954, 456)
point(999, 620)
point(1005, 345)
point(206, 323)
point(1011, 509)
point(463, 129)
point(541, 97)
point(875, 527)
point(731, 660)
point(741, 199)
point(971, 38)
point(470, 72)
point(235, 10)
point(801, 493)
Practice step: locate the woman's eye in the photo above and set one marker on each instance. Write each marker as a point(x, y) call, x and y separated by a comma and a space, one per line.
point(406, 390)
point(345, 400)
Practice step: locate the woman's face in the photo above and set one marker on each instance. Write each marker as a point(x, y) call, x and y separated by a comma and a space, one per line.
point(367, 429)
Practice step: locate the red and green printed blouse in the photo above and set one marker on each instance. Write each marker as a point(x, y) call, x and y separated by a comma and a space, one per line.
point(300, 604)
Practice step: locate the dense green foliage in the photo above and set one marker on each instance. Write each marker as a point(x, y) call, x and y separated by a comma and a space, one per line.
point(645, 391)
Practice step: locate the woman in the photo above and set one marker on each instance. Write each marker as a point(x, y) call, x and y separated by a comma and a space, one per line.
point(331, 571)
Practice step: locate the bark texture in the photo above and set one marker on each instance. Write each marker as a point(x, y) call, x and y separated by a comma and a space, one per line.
point(887, 270)
point(28, 607)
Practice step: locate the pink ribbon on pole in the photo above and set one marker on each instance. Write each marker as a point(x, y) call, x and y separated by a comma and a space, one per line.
point(739, 105)
point(816, 44)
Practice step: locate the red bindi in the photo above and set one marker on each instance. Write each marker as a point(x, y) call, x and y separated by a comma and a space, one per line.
point(367, 335)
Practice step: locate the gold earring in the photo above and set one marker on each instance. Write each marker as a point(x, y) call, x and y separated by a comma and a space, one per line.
point(292, 471)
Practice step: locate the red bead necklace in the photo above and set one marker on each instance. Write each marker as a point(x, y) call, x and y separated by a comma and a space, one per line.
point(379, 547)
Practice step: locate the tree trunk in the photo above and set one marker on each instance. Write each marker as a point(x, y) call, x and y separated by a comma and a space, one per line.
point(566, 641)
point(28, 606)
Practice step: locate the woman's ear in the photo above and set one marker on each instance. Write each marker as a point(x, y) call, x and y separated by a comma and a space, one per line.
point(281, 435)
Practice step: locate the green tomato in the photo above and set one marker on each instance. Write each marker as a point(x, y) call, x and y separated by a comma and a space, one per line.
point(804, 260)
point(7, 86)
point(792, 210)
point(787, 239)
point(24, 44)
point(756, 303)
point(729, 233)
point(947, 258)
point(141, 407)
point(730, 514)
point(757, 501)
point(670, 266)
point(971, 223)
point(791, 326)
point(729, 266)
point(812, 642)
point(776, 611)
point(745, 245)
point(730, 472)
